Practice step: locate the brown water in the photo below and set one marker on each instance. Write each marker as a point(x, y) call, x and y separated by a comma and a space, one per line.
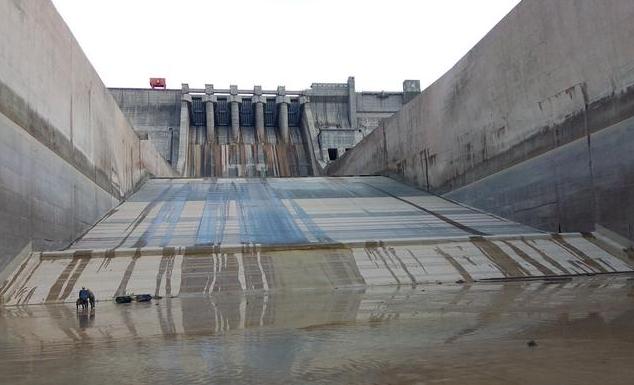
point(441, 334)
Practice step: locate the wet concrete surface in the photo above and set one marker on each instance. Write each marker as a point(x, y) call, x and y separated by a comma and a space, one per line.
point(450, 334)
point(168, 272)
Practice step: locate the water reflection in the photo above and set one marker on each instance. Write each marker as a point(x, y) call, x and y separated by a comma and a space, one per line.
point(446, 333)
point(86, 318)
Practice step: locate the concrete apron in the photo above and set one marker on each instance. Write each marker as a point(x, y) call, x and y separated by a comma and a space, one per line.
point(54, 277)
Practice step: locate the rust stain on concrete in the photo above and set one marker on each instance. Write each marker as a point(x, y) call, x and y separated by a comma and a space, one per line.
point(542, 269)
point(463, 272)
point(578, 253)
point(507, 265)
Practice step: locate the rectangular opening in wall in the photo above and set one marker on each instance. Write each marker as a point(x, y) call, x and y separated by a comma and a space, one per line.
point(199, 118)
point(222, 115)
point(270, 113)
point(247, 113)
point(332, 153)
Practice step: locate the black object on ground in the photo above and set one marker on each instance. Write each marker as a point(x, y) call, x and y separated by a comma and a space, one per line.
point(123, 299)
point(531, 343)
point(143, 297)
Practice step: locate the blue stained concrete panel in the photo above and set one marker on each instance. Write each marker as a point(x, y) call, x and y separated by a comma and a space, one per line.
point(289, 211)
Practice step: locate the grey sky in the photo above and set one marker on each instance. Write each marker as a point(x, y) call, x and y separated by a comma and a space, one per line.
point(278, 42)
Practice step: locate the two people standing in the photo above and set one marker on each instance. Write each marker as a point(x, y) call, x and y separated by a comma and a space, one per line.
point(86, 295)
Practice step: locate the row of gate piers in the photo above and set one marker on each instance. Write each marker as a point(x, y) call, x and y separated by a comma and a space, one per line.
point(204, 112)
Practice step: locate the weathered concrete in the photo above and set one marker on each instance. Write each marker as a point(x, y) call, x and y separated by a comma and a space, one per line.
point(174, 271)
point(155, 114)
point(283, 119)
point(340, 116)
point(548, 74)
point(282, 211)
point(182, 165)
point(210, 99)
point(194, 236)
point(68, 154)
point(259, 118)
point(567, 189)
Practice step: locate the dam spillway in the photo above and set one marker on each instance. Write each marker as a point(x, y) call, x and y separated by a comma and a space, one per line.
point(239, 135)
point(210, 236)
point(277, 231)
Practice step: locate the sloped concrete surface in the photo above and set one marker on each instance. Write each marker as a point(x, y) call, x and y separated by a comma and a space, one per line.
point(203, 236)
point(187, 212)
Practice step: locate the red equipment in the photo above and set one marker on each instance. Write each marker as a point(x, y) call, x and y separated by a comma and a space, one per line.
point(157, 83)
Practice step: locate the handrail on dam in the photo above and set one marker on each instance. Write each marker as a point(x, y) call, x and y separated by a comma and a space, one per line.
point(227, 91)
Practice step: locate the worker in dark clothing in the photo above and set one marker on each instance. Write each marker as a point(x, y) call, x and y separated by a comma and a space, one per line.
point(91, 298)
point(83, 294)
point(83, 299)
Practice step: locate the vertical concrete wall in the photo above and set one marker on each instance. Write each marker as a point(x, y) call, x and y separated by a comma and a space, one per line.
point(570, 188)
point(549, 74)
point(155, 114)
point(372, 107)
point(67, 153)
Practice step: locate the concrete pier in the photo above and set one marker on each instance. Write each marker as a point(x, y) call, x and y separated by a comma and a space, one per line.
point(184, 137)
point(235, 100)
point(352, 103)
point(210, 99)
point(259, 100)
point(282, 102)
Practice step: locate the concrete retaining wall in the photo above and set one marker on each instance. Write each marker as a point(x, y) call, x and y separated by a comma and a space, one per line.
point(548, 74)
point(153, 113)
point(67, 153)
point(569, 188)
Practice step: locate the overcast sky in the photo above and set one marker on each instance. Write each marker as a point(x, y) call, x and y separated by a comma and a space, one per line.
point(278, 42)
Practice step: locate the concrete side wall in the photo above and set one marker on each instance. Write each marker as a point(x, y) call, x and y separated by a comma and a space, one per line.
point(153, 113)
point(371, 161)
point(68, 153)
point(372, 107)
point(548, 74)
point(569, 188)
point(379, 102)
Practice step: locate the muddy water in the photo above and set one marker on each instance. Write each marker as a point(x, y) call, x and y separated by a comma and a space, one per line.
point(449, 334)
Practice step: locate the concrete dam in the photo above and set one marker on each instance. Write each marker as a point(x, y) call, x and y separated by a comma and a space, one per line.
point(325, 234)
point(253, 132)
